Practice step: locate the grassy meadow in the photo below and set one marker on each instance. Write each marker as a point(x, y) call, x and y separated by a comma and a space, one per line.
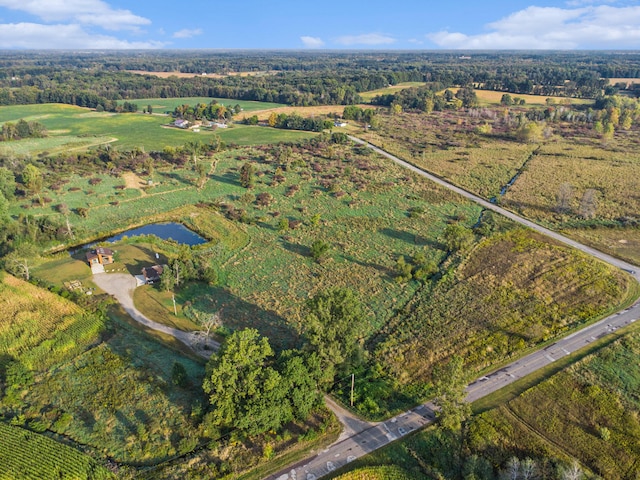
point(449, 145)
point(164, 105)
point(72, 127)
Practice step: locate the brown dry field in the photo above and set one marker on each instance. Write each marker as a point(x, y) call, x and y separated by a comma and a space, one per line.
point(191, 75)
point(613, 81)
point(614, 174)
point(493, 96)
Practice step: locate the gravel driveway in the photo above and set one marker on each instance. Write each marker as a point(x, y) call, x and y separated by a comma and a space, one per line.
point(122, 285)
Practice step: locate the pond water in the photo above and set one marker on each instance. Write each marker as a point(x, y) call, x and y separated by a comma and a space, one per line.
point(166, 231)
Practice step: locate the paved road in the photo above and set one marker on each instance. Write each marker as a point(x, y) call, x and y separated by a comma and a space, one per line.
point(632, 269)
point(348, 449)
point(122, 285)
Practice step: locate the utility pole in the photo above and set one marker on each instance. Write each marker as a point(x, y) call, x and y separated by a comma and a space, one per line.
point(353, 379)
point(175, 311)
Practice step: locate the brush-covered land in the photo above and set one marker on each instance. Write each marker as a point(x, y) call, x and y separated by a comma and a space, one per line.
point(587, 413)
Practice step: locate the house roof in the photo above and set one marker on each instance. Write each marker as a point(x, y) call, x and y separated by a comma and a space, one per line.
point(152, 272)
point(104, 251)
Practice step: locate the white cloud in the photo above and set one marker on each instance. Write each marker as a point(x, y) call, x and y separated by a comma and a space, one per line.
point(37, 36)
point(600, 26)
point(187, 33)
point(366, 39)
point(312, 42)
point(83, 12)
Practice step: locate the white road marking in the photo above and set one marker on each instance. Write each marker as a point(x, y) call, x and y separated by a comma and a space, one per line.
point(550, 358)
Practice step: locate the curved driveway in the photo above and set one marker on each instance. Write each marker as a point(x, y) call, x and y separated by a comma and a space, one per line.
point(378, 435)
point(122, 285)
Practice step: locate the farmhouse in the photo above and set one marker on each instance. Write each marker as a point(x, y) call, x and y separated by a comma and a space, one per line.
point(180, 123)
point(100, 256)
point(152, 274)
point(339, 123)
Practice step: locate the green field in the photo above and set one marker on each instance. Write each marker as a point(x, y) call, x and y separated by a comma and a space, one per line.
point(76, 127)
point(25, 455)
point(162, 105)
point(371, 213)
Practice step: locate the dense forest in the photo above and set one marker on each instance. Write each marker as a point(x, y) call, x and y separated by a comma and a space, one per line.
point(297, 78)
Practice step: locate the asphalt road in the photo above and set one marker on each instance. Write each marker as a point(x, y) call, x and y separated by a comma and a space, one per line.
point(381, 434)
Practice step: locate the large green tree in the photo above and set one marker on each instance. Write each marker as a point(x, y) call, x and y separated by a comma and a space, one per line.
point(32, 178)
point(244, 391)
point(333, 325)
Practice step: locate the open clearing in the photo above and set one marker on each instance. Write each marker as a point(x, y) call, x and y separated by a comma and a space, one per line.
point(71, 127)
point(322, 110)
point(368, 96)
point(448, 145)
point(493, 97)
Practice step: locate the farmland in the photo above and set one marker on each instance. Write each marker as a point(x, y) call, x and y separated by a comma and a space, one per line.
point(368, 96)
point(75, 127)
point(25, 455)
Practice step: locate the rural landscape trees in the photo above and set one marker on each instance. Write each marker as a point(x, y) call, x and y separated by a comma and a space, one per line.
point(323, 263)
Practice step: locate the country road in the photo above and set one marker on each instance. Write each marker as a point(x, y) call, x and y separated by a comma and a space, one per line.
point(348, 449)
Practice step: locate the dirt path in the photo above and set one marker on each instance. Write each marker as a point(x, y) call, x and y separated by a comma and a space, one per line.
point(122, 285)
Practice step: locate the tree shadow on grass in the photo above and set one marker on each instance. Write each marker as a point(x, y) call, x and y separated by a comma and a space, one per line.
point(229, 178)
point(410, 238)
point(296, 248)
point(238, 314)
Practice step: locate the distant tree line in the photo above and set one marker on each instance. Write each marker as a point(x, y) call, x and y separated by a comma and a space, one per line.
point(297, 78)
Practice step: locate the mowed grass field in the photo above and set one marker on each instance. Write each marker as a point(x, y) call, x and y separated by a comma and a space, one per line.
point(76, 127)
point(493, 97)
point(162, 105)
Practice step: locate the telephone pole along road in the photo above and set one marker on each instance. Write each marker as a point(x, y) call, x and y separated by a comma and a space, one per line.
point(381, 434)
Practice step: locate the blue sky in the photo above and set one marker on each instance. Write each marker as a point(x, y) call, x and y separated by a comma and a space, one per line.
point(329, 24)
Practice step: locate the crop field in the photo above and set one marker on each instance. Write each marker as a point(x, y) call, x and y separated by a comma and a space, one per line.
point(26, 455)
point(76, 127)
point(212, 75)
point(368, 96)
point(40, 329)
point(320, 110)
point(492, 97)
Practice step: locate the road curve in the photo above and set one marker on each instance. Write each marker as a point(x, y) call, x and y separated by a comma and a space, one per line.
point(359, 444)
point(122, 285)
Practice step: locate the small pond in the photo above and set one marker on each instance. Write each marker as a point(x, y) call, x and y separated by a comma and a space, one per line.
point(166, 231)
